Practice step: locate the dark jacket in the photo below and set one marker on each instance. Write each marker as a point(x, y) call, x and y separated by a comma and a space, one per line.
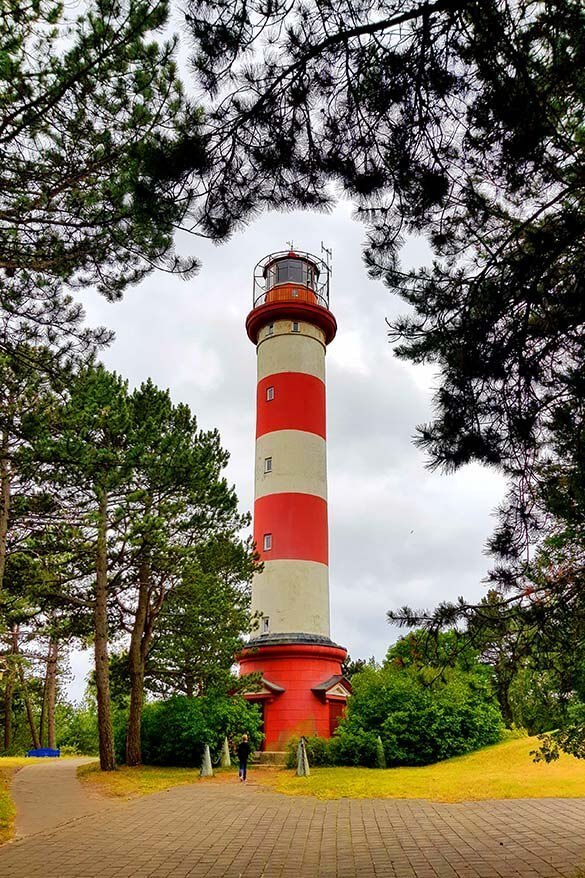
point(243, 751)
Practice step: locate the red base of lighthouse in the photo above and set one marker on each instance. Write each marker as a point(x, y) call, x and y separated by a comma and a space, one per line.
point(303, 688)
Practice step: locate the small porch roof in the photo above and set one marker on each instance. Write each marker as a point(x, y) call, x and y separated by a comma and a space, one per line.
point(336, 686)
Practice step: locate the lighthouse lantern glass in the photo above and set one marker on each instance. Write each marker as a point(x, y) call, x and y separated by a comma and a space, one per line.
point(294, 277)
point(286, 271)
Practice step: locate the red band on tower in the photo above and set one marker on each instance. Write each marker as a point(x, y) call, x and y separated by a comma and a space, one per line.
point(297, 524)
point(297, 402)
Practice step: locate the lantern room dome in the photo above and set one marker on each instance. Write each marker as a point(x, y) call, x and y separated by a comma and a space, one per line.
point(291, 285)
point(292, 275)
point(291, 269)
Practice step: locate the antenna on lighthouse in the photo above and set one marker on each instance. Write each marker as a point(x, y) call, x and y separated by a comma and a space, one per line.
point(328, 251)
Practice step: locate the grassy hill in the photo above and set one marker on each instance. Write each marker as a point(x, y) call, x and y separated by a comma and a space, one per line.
point(504, 771)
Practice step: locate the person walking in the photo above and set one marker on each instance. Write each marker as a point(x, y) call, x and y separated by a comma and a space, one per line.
point(243, 756)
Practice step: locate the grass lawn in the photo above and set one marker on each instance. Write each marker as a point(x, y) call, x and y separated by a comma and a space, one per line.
point(127, 783)
point(9, 765)
point(504, 771)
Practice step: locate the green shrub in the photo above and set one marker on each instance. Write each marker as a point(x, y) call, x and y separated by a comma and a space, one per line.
point(514, 733)
point(536, 701)
point(72, 751)
point(76, 727)
point(291, 753)
point(174, 732)
point(420, 719)
point(353, 745)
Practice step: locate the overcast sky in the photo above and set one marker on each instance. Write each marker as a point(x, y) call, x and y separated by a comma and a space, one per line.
point(398, 533)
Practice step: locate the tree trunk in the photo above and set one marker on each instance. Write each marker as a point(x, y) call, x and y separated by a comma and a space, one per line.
point(102, 666)
point(506, 708)
point(51, 693)
point(136, 659)
point(5, 475)
point(43, 709)
point(133, 736)
point(29, 711)
point(503, 694)
point(9, 691)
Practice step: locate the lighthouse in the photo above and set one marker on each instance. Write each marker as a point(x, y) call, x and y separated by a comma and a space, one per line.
point(303, 691)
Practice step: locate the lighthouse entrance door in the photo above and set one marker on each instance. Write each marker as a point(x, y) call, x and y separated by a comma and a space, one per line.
point(336, 711)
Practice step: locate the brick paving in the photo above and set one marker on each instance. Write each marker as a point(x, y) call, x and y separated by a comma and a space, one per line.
point(48, 794)
point(211, 831)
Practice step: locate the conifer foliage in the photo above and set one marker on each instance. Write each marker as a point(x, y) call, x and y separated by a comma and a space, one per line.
point(461, 120)
point(96, 140)
point(141, 499)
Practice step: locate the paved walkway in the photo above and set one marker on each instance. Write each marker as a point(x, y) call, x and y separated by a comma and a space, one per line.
point(47, 794)
point(225, 831)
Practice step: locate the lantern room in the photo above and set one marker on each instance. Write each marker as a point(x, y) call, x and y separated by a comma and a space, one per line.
point(291, 284)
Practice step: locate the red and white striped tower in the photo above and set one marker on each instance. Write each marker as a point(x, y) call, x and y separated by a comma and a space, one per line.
point(303, 691)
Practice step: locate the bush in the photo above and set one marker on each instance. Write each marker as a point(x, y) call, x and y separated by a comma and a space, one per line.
point(513, 733)
point(77, 728)
point(536, 701)
point(420, 719)
point(353, 745)
point(174, 732)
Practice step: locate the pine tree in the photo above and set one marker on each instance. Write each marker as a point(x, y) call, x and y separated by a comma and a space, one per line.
point(84, 454)
point(181, 518)
point(142, 512)
point(96, 143)
point(462, 121)
point(212, 596)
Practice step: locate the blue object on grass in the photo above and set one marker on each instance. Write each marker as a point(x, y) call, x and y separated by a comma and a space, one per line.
point(43, 751)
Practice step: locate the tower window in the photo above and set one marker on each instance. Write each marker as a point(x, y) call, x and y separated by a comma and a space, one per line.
point(270, 330)
point(269, 394)
point(267, 464)
point(295, 326)
point(265, 625)
point(295, 294)
point(267, 543)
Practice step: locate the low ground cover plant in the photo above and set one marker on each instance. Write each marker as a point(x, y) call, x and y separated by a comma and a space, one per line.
point(8, 767)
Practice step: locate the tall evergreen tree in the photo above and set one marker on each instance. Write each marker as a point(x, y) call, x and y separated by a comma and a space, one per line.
point(32, 377)
point(180, 508)
point(141, 507)
point(28, 384)
point(84, 452)
point(96, 140)
point(200, 628)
